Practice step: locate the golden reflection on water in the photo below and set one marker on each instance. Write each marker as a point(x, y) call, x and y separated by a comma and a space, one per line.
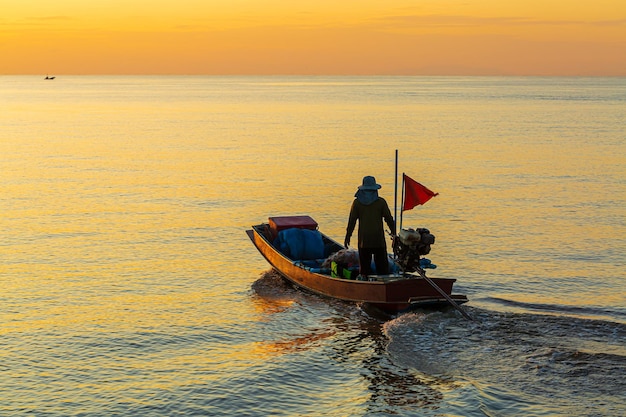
point(265, 308)
point(299, 343)
point(123, 224)
point(85, 197)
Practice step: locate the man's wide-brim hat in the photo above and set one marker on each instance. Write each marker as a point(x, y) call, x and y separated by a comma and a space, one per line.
point(369, 183)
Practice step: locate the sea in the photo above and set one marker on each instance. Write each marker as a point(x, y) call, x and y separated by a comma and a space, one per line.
point(128, 285)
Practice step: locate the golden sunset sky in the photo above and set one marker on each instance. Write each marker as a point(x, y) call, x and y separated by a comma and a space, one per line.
point(360, 37)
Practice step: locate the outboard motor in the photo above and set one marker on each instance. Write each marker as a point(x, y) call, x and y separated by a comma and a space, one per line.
point(409, 244)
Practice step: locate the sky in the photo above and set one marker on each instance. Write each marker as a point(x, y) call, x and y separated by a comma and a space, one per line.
point(310, 37)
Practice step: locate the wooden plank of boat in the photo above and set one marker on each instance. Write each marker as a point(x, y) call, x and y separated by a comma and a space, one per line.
point(391, 293)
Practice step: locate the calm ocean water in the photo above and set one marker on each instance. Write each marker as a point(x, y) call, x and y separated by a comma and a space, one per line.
point(128, 285)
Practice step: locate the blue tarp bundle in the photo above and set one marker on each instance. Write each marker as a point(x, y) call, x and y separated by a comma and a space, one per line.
point(427, 264)
point(300, 244)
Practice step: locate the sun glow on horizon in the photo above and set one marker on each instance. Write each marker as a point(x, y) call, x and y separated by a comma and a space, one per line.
point(483, 37)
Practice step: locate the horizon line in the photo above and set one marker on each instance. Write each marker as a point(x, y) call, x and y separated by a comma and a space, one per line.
point(315, 75)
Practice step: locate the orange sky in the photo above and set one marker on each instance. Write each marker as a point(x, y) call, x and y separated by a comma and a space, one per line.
point(421, 37)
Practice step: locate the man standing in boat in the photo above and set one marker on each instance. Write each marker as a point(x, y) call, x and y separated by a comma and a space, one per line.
point(370, 210)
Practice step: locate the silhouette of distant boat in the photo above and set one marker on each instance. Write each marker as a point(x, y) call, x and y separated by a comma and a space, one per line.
point(49, 78)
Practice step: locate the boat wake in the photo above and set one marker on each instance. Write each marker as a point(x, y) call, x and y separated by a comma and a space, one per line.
point(532, 359)
point(527, 357)
point(271, 285)
point(575, 311)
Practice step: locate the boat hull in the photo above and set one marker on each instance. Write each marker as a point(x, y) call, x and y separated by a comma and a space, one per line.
point(393, 293)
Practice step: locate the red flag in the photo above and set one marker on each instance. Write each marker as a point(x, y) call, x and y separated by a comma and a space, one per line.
point(415, 193)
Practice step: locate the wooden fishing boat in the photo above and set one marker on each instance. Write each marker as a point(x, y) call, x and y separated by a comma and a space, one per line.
point(393, 293)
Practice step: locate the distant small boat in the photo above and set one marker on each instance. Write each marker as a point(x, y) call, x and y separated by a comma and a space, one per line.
point(49, 78)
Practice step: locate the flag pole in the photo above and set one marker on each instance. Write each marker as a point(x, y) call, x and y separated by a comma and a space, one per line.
point(402, 203)
point(395, 198)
